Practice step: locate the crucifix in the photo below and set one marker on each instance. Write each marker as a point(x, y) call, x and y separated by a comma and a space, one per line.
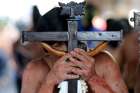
point(72, 36)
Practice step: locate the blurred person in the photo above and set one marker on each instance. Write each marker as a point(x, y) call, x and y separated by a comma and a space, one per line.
point(131, 60)
point(8, 36)
point(137, 82)
point(126, 55)
point(126, 52)
point(112, 8)
point(24, 52)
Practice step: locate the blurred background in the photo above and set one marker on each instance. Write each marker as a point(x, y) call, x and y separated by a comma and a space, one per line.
point(17, 16)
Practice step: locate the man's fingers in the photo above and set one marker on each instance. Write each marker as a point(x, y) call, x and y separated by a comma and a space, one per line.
point(77, 72)
point(71, 76)
point(82, 52)
point(74, 70)
point(78, 63)
point(78, 56)
point(69, 64)
point(70, 69)
point(64, 58)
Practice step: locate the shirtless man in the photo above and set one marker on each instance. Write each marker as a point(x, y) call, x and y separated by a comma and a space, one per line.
point(101, 73)
point(126, 53)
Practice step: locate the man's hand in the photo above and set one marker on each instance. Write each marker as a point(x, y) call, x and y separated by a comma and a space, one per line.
point(86, 63)
point(62, 70)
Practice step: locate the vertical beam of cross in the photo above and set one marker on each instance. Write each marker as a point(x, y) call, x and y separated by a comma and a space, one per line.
point(72, 43)
point(72, 38)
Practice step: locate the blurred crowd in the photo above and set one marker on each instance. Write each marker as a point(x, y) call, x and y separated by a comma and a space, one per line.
point(14, 54)
point(9, 35)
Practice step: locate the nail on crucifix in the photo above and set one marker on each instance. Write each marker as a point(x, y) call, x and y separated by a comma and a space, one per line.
point(72, 36)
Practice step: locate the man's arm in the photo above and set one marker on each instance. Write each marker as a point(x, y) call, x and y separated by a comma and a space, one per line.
point(99, 85)
point(110, 79)
point(38, 78)
point(33, 76)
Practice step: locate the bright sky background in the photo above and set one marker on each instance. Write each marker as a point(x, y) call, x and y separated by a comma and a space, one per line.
point(21, 9)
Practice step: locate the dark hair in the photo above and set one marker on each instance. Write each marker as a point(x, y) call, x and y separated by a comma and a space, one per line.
point(35, 16)
point(54, 21)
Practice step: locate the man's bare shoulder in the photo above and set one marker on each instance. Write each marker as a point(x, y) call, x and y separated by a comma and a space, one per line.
point(37, 66)
point(34, 74)
point(104, 63)
point(104, 58)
